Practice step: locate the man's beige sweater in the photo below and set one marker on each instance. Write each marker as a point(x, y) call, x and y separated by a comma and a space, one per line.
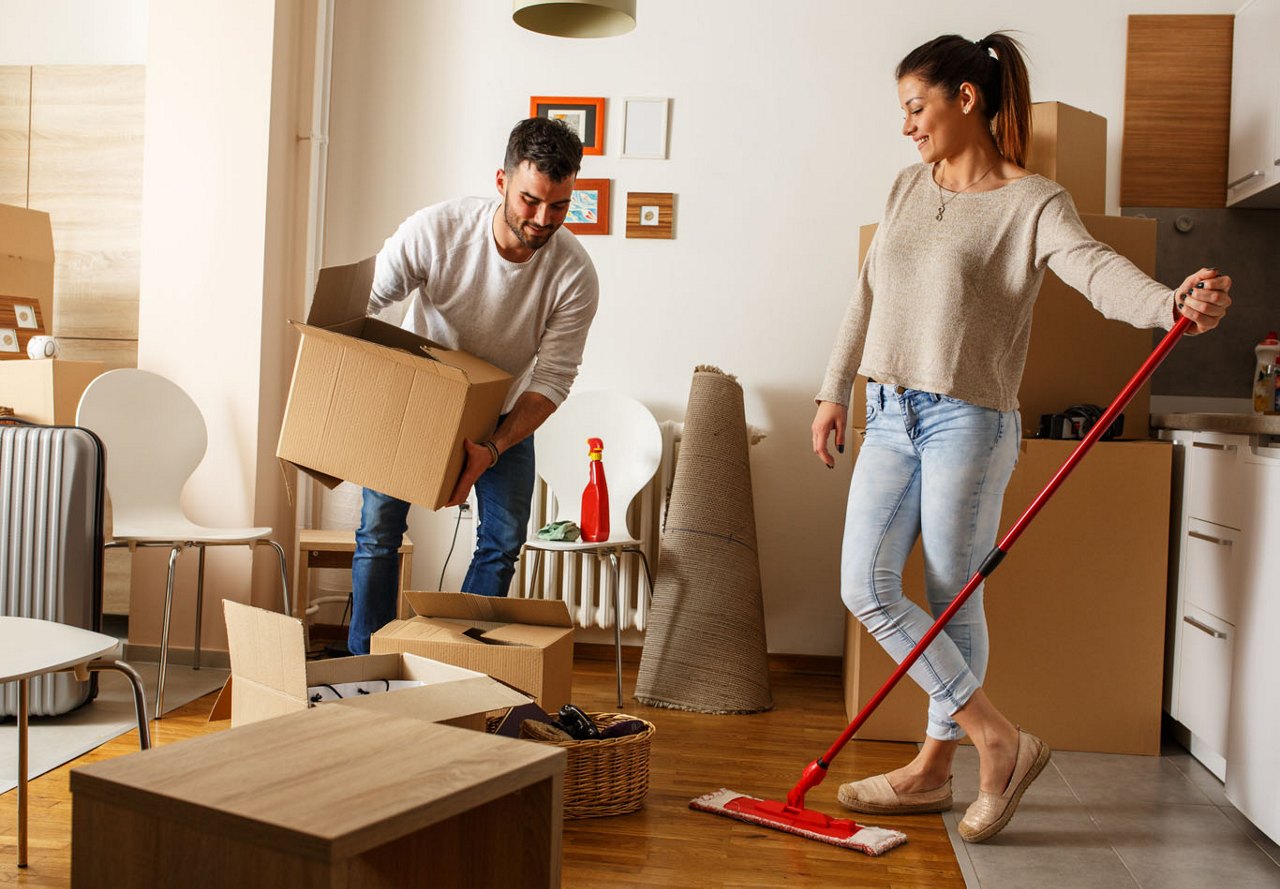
point(945, 306)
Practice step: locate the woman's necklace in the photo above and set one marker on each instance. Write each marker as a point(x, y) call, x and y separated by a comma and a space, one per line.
point(942, 198)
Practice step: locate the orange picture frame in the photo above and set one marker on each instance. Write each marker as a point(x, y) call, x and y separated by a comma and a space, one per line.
point(582, 114)
point(589, 211)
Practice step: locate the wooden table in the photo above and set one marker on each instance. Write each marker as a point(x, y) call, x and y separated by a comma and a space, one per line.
point(327, 548)
point(30, 647)
point(333, 797)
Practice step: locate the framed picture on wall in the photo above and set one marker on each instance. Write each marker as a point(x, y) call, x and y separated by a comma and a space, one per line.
point(585, 116)
point(644, 127)
point(589, 208)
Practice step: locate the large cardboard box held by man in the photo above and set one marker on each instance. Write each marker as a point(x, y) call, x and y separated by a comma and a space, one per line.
point(379, 406)
point(527, 643)
point(270, 676)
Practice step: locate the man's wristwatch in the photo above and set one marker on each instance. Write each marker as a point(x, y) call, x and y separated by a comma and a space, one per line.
point(493, 452)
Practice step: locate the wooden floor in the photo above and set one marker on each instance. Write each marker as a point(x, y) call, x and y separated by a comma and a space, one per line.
point(665, 844)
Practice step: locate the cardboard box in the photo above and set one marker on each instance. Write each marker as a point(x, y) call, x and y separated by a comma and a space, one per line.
point(46, 391)
point(1075, 611)
point(1069, 146)
point(527, 643)
point(270, 675)
point(1075, 355)
point(378, 406)
point(26, 279)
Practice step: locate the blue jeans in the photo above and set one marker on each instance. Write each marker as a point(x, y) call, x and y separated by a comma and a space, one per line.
point(934, 468)
point(504, 496)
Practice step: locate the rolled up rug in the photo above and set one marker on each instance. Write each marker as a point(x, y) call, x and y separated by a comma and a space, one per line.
point(705, 647)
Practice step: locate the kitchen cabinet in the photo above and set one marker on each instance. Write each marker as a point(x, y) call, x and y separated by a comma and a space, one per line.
point(1253, 166)
point(1225, 613)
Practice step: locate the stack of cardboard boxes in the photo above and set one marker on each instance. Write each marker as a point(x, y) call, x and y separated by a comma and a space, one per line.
point(1076, 611)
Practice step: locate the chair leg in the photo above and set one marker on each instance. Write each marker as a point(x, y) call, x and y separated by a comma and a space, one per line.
point(164, 629)
point(139, 697)
point(23, 713)
point(195, 659)
point(644, 561)
point(535, 579)
point(617, 620)
point(284, 580)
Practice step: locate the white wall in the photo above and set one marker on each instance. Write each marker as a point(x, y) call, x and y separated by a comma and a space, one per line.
point(784, 138)
point(73, 32)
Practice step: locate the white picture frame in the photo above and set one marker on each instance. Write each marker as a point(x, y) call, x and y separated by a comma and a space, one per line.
point(644, 127)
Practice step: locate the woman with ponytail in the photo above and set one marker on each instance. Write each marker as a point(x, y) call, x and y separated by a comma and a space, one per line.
point(939, 324)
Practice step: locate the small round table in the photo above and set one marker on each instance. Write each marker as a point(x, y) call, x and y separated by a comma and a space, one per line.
point(30, 647)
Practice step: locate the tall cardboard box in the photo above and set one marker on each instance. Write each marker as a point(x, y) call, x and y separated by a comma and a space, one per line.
point(26, 279)
point(1075, 611)
point(1069, 146)
point(270, 677)
point(527, 643)
point(378, 406)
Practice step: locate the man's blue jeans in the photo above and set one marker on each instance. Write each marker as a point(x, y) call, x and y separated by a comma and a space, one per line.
point(504, 495)
point(934, 468)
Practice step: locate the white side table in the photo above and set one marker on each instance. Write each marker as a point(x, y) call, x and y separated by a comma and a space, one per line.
point(30, 647)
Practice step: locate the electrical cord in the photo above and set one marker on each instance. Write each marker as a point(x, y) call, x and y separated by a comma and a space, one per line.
point(463, 508)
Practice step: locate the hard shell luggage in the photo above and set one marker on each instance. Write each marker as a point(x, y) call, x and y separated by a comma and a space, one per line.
point(51, 527)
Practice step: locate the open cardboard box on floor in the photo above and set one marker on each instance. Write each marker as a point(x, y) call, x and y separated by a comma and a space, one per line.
point(527, 643)
point(373, 404)
point(270, 675)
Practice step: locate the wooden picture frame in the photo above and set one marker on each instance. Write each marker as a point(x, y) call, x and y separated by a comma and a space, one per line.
point(584, 115)
point(651, 214)
point(589, 210)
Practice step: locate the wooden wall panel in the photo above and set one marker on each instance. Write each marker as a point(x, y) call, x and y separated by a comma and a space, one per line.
point(1177, 111)
point(86, 172)
point(112, 353)
point(15, 123)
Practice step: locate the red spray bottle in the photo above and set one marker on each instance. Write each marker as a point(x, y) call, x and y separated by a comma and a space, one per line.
point(595, 497)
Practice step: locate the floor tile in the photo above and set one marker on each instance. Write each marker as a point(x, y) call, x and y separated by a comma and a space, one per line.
point(1260, 839)
point(1104, 780)
point(1197, 774)
point(1173, 846)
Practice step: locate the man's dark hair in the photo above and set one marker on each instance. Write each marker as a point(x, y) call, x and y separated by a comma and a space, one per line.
point(549, 145)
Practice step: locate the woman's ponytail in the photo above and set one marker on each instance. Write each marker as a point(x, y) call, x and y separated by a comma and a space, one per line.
point(1011, 120)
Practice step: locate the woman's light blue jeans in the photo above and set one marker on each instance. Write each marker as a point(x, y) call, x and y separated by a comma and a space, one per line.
point(934, 468)
point(504, 498)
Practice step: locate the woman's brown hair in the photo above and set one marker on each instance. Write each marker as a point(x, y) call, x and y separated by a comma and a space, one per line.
point(996, 67)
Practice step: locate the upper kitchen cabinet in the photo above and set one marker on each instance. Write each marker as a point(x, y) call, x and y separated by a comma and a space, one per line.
point(1253, 171)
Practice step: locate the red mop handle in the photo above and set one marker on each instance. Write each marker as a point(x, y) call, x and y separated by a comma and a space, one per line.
point(817, 770)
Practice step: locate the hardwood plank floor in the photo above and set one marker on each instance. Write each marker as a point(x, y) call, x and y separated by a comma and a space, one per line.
point(665, 844)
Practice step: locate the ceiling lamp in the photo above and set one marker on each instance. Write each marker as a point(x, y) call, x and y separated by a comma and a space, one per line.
point(575, 18)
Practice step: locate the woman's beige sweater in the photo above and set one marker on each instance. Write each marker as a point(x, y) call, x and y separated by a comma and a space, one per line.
point(945, 306)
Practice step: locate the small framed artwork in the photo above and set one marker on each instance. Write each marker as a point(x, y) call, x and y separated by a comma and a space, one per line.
point(644, 127)
point(589, 208)
point(25, 315)
point(585, 116)
point(651, 214)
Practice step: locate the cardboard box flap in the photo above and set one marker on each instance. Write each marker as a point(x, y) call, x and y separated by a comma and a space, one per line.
point(359, 668)
point(444, 701)
point(266, 649)
point(425, 362)
point(476, 370)
point(342, 294)
point(433, 631)
point(493, 609)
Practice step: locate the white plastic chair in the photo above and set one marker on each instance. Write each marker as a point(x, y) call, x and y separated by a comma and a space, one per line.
point(632, 452)
point(155, 437)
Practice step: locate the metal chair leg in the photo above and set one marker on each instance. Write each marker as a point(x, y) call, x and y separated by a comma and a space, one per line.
point(164, 630)
point(617, 620)
point(23, 714)
point(284, 580)
point(195, 659)
point(139, 697)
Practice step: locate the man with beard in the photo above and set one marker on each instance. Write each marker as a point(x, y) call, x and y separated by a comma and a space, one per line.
point(500, 280)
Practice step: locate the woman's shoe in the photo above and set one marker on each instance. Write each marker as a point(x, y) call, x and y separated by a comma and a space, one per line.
point(876, 796)
point(990, 812)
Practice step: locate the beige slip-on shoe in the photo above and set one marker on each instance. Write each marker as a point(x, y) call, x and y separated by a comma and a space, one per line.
point(876, 796)
point(990, 812)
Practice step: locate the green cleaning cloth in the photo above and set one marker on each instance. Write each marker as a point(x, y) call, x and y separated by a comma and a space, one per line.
point(566, 531)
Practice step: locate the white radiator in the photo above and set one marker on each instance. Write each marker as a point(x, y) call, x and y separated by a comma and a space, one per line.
point(582, 581)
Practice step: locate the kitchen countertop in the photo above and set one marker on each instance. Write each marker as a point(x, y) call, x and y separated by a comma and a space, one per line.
point(1233, 424)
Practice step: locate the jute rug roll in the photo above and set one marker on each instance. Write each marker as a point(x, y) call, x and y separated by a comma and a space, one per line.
point(704, 644)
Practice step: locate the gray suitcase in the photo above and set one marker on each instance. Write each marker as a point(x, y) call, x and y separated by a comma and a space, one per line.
point(51, 517)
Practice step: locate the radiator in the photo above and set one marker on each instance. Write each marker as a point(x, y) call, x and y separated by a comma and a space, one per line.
point(582, 580)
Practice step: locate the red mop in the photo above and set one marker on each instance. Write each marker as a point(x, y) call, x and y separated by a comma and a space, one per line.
point(792, 816)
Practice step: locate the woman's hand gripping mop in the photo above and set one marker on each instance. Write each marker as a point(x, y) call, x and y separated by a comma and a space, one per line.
point(792, 816)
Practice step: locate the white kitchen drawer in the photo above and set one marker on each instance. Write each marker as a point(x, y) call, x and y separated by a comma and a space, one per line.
point(1217, 483)
point(1204, 685)
point(1211, 557)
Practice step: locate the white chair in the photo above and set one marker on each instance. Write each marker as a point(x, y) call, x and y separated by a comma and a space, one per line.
point(632, 451)
point(155, 437)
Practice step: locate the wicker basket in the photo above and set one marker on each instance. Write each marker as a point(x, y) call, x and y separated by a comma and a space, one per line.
point(608, 777)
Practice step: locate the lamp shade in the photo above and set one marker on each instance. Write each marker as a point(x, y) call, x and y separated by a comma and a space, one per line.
point(575, 18)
